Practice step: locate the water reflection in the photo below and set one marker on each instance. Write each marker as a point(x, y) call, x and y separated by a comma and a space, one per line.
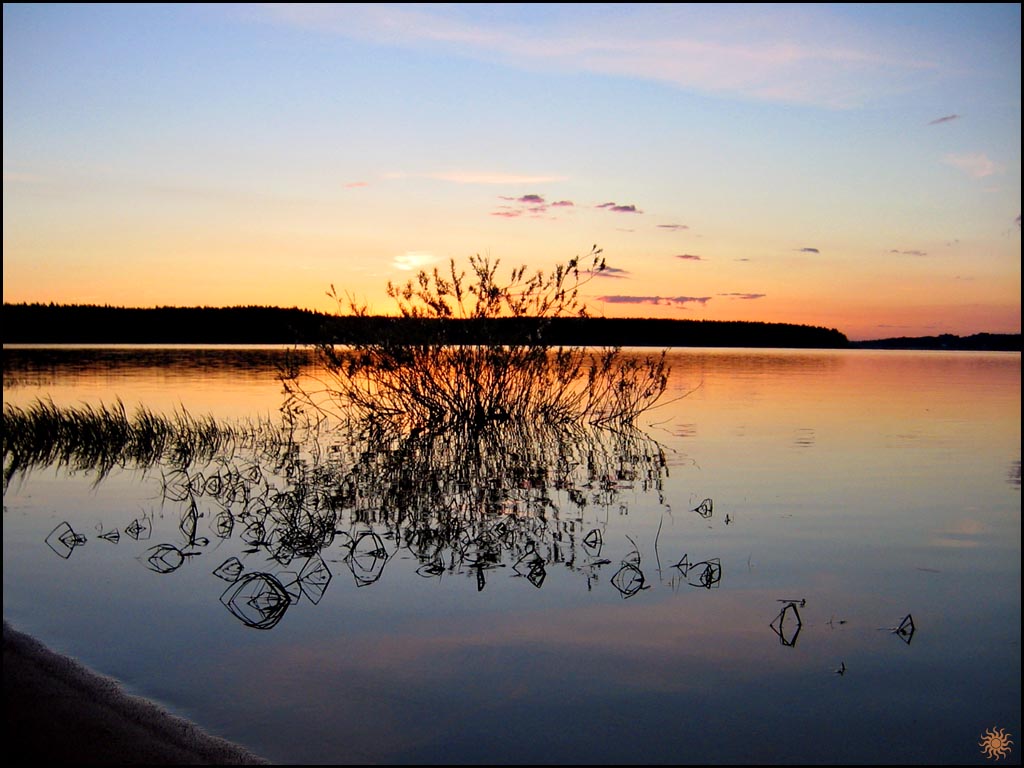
point(301, 494)
point(56, 364)
point(905, 629)
point(787, 624)
point(390, 589)
point(258, 600)
point(63, 540)
point(704, 573)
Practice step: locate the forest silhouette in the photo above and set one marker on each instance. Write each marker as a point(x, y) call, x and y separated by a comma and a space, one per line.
point(92, 324)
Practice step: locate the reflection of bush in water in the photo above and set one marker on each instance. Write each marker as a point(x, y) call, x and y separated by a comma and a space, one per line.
point(461, 496)
point(458, 499)
point(465, 499)
point(466, 496)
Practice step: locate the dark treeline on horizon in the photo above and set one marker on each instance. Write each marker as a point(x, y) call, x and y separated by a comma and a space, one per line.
point(90, 324)
point(978, 342)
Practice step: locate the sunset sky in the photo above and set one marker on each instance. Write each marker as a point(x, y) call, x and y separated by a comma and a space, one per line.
point(854, 167)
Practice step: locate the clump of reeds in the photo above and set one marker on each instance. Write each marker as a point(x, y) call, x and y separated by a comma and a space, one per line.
point(101, 438)
point(439, 384)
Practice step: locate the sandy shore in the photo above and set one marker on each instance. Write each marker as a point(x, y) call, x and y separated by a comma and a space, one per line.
point(57, 710)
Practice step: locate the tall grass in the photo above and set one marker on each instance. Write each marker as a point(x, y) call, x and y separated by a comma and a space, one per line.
point(101, 438)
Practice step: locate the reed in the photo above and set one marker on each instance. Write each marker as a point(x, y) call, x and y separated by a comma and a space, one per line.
point(104, 437)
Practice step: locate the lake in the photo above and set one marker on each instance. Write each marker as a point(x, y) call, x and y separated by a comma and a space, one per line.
point(799, 557)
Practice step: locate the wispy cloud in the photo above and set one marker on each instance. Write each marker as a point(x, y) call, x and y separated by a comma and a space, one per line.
point(744, 296)
point(470, 177)
point(974, 164)
point(673, 227)
point(908, 253)
point(945, 119)
point(677, 301)
point(485, 178)
point(532, 205)
point(413, 260)
point(619, 208)
point(689, 257)
point(525, 199)
point(613, 272)
point(806, 56)
point(808, 250)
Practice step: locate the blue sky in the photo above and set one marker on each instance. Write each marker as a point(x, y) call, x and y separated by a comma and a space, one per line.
point(854, 167)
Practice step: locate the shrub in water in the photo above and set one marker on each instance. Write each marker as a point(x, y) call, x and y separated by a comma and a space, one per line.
point(467, 371)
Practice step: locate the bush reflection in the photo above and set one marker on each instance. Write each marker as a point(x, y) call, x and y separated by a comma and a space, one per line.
point(303, 498)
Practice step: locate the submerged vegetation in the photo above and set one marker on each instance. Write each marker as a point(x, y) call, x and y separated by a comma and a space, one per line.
point(101, 438)
point(441, 383)
point(463, 501)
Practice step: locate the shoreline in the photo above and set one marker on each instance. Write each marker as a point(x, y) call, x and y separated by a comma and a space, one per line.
point(57, 709)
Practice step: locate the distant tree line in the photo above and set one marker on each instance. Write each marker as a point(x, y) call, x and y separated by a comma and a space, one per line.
point(981, 342)
point(89, 324)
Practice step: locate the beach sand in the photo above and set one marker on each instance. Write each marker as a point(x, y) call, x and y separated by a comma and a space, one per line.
point(56, 709)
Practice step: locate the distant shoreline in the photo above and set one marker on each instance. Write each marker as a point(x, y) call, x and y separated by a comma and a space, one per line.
point(90, 324)
point(978, 342)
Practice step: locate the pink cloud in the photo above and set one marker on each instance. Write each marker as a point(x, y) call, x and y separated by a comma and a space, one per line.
point(619, 208)
point(678, 301)
point(974, 164)
point(532, 205)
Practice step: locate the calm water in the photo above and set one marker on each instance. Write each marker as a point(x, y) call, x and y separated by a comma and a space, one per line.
point(735, 585)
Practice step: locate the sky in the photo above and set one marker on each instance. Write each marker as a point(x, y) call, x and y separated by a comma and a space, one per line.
point(848, 166)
